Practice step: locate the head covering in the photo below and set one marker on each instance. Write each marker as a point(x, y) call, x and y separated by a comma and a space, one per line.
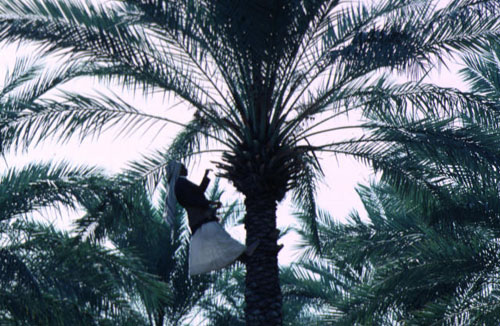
point(173, 170)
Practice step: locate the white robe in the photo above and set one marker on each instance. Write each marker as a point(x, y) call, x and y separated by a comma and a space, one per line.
point(212, 248)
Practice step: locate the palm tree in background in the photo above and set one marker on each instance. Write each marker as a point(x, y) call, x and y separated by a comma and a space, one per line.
point(49, 277)
point(267, 82)
point(407, 264)
point(128, 217)
point(421, 258)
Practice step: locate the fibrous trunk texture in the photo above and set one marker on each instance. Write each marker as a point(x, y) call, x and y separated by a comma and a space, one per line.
point(262, 293)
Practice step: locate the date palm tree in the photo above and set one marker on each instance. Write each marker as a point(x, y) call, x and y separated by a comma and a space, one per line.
point(419, 258)
point(49, 277)
point(408, 264)
point(266, 82)
point(416, 261)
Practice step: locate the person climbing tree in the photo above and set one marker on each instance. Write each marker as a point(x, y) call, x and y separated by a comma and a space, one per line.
point(212, 248)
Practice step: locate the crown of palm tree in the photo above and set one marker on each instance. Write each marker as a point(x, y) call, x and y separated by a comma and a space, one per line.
point(263, 77)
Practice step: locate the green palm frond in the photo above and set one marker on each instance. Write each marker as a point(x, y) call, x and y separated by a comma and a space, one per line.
point(23, 93)
point(30, 80)
point(14, 269)
point(49, 277)
point(71, 24)
point(77, 115)
point(38, 186)
point(302, 284)
point(111, 34)
point(76, 282)
point(424, 265)
point(482, 71)
point(25, 69)
point(304, 197)
point(312, 243)
point(425, 154)
point(388, 100)
point(117, 203)
point(408, 38)
point(223, 303)
point(383, 99)
point(192, 140)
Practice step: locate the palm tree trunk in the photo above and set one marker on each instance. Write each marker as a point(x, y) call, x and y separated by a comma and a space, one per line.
point(262, 293)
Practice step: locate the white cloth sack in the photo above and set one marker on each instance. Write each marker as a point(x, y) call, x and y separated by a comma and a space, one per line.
point(212, 248)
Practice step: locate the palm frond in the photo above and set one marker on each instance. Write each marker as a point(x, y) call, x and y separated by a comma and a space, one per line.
point(69, 25)
point(426, 265)
point(78, 115)
point(24, 89)
point(41, 185)
point(24, 69)
point(482, 71)
point(370, 45)
point(304, 197)
point(190, 141)
point(444, 154)
point(384, 99)
point(76, 281)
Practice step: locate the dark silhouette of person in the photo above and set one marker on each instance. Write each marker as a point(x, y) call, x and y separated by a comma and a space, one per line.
point(191, 196)
point(211, 246)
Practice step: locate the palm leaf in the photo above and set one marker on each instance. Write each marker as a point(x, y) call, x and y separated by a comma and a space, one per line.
point(41, 185)
point(76, 282)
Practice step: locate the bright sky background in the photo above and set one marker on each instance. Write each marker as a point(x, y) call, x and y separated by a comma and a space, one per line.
point(336, 194)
